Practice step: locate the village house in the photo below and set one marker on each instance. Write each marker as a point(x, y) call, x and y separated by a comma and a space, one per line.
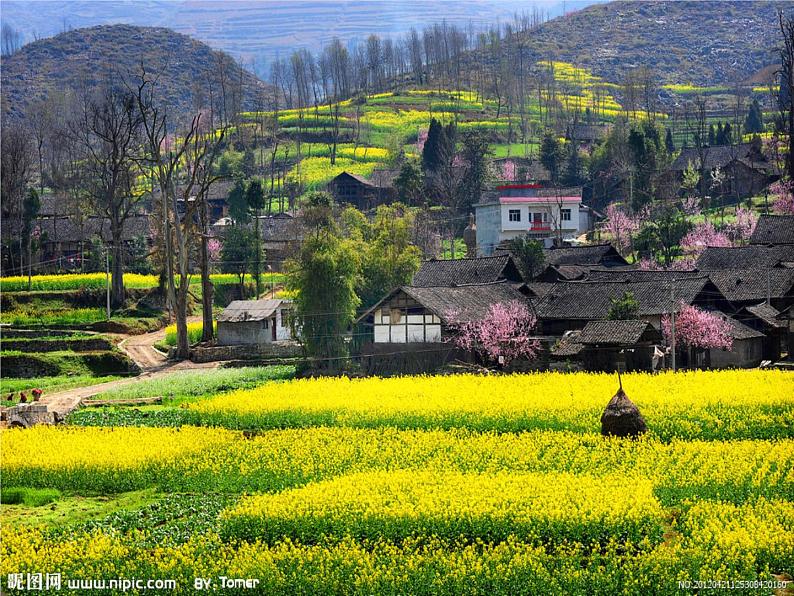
point(626, 345)
point(768, 320)
point(66, 241)
point(585, 135)
point(569, 306)
point(459, 272)
point(773, 229)
point(745, 168)
point(745, 287)
point(753, 256)
point(364, 193)
point(572, 263)
point(280, 234)
point(550, 215)
point(254, 322)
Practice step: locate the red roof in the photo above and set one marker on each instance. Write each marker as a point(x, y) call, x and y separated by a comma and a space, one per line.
point(513, 186)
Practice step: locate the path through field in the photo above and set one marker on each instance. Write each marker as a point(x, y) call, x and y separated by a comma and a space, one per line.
point(140, 348)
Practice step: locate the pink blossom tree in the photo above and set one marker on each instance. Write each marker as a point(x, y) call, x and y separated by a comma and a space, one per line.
point(743, 227)
point(697, 329)
point(509, 170)
point(783, 192)
point(622, 227)
point(214, 247)
point(504, 334)
point(701, 237)
point(690, 205)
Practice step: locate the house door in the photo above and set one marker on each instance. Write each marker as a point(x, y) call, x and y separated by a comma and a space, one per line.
point(273, 325)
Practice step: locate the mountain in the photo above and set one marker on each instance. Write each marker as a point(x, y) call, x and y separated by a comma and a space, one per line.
point(720, 42)
point(85, 57)
point(259, 31)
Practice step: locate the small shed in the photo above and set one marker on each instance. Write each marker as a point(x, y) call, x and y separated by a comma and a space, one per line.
point(254, 322)
point(609, 345)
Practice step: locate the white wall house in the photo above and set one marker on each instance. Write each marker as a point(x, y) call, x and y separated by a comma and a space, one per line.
point(254, 322)
point(526, 210)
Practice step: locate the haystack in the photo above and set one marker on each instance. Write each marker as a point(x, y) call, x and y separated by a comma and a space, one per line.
point(621, 418)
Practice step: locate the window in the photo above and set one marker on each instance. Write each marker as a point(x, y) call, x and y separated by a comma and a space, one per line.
point(395, 316)
point(514, 215)
point(565, 214)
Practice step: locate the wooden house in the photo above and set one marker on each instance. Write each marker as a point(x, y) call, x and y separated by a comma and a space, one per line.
point(773, 229)
point(746, 170)
point(612, 345)
point(362, 193)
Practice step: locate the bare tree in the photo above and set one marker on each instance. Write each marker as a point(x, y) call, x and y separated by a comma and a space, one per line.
point(10, 40)
point(107, 129)
point(786, 99)
point(183, 165)
point(16, 156)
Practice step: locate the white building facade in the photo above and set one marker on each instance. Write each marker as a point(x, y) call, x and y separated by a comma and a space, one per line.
point(527, 210)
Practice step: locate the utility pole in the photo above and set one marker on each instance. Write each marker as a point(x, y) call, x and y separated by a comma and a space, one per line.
point(107, 282)
point(672, 323)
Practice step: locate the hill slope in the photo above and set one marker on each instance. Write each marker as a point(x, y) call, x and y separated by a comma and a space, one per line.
point(700, 42)
point(87, 56)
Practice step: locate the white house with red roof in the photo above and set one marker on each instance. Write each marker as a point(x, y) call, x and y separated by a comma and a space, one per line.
point(546, 214)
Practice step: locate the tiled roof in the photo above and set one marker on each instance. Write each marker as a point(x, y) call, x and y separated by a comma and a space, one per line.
point(767, 313)
point(584, 255)
point(744, 257)
point(622, 274)
point(740, 330)
point(617, 332)
point(721, 155)
point(71, 230)
point(568, 345)
point(457, 272)
point(240, 311)
point(774, 229)
point(592, 300)
point(462, 304)
point(750, 285)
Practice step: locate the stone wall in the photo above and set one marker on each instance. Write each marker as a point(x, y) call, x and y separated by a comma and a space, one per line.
point(275, 351)
point(88, 344)
point(27, 415)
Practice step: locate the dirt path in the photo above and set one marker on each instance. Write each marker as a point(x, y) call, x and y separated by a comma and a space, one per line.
point(140, 348)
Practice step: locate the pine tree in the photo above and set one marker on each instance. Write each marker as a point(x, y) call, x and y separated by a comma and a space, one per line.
point(712, 137)
point(669, 145)
point(255, 197)
point(551, 156)
point(727, 134)
point(238, 206)
point(754, 123)
point(434, 147)
point(720, 137)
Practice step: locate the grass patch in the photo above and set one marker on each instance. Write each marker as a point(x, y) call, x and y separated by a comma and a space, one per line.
point(70, 510)
point(188, 385)
point(32, 497)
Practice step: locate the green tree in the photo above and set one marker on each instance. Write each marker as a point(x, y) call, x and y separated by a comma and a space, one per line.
point(669, 144)
point(573, 167)
point(691, 179)
point(323, 277)
point(475, 153)
point(754, 123)
point(624, 308)
point(238, 206)
point(255, 197)
point(712, 134)
point(551, 155)
point(238, 254)
point(248, 164)
point(663, 233)
point(389, 258)
point(528, 255)
point(435, 147)
point(409, 183)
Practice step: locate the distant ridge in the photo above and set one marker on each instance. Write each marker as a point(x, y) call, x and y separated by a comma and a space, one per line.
point(85, 57)
point(704, 43)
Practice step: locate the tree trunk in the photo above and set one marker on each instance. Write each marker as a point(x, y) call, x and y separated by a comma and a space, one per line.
point(257, 263)
point(117, 268)
point(182, 344)
point(207, 288)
